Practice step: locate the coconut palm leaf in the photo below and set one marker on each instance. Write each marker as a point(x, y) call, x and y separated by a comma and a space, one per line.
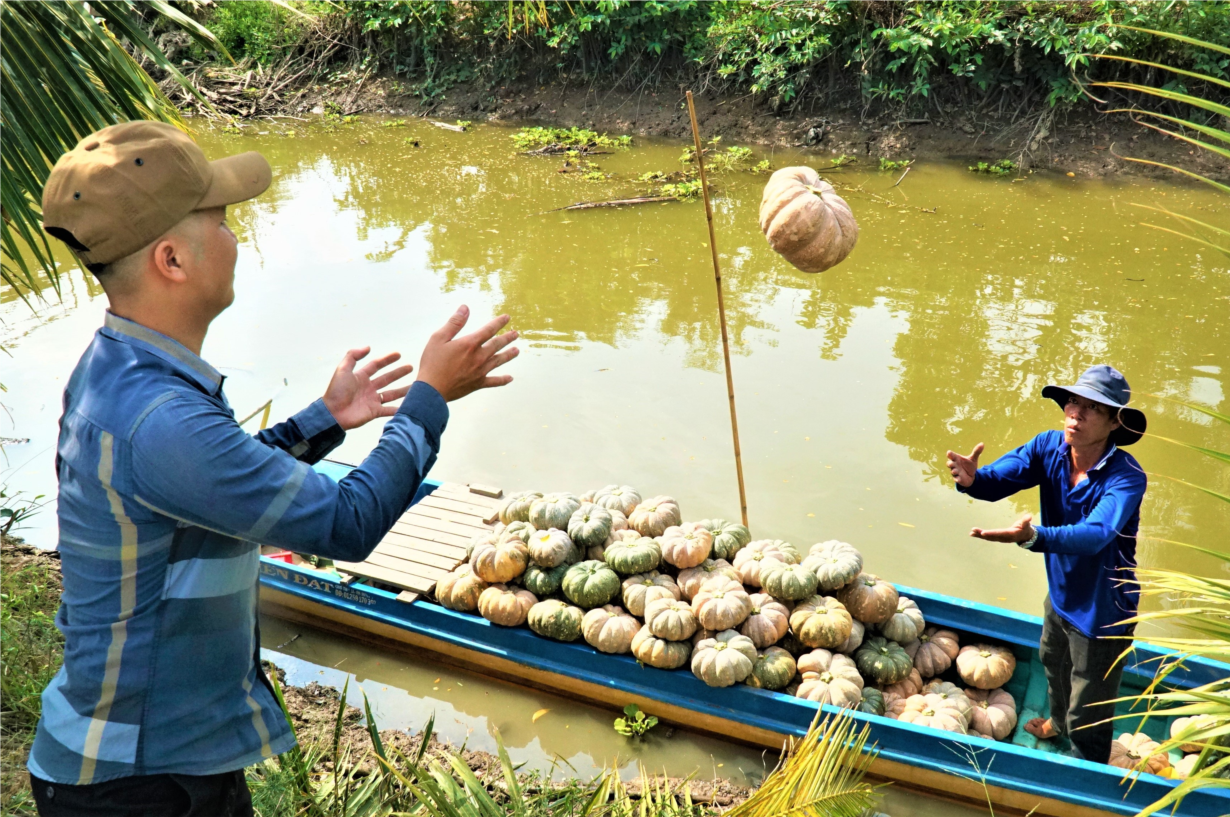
point(63, 75)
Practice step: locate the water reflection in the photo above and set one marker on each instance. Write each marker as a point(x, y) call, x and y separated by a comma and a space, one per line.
point(937, 332)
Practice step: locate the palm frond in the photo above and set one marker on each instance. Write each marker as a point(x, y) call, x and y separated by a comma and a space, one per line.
point(64, 74)
point(1209, 452)
point(821, 773)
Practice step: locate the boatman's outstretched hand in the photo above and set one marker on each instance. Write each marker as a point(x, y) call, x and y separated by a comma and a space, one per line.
point(456, 366)
point(354, 396)
point(964, 468)
point(1021, 531)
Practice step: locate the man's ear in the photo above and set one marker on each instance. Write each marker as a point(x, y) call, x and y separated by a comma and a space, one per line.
point(169, 255)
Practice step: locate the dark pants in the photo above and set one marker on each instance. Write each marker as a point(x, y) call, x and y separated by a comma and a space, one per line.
point(156, 795)
point(1080, 679)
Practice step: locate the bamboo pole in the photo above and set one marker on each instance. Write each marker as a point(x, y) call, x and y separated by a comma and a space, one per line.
point(717, 279)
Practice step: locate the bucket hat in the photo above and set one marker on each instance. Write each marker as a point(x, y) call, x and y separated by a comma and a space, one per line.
point(122, 187)
point(1104, 384)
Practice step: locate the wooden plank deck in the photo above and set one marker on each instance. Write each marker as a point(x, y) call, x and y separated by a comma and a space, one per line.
point(430, 539)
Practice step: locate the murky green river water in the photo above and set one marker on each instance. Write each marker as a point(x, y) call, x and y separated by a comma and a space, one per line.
point(937, 332)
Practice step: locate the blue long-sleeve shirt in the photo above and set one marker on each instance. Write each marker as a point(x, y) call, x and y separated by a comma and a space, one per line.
point(163, 503)
point(1088, 532)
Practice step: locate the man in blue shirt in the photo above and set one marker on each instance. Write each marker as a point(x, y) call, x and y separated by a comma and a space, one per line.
point(164, 500)
point(1091, 490)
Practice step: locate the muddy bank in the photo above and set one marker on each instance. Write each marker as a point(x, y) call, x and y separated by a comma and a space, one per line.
point(1082, 141)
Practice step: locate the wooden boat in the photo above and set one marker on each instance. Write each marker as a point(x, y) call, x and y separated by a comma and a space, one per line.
point(1018, 774)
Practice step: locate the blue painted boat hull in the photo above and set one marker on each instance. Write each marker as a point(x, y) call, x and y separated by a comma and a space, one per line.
point(1017, 776)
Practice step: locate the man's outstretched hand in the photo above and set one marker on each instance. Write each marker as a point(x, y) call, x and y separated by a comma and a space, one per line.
point(964, 468)
point(1021, 531)
point(354, 397)
point(456, 366)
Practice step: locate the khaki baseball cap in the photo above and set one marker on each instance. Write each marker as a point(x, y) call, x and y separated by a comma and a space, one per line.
point(125, 185)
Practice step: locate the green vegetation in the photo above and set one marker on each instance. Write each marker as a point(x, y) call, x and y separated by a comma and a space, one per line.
point(564, 138)
point(1004, 167)
point(890, 164)
point(914, 54)
point(31, 647)
point(635, 723)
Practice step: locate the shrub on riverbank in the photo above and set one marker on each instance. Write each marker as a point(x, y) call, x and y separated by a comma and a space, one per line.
point(911, 55)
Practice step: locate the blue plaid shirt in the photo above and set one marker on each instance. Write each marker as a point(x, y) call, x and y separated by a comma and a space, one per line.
point(163, 502)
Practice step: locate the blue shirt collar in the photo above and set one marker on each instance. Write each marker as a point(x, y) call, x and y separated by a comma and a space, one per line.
point(168, 349)
point(1064, 448)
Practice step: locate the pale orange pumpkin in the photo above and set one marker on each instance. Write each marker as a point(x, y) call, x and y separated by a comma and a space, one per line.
point(721, 604)
point(1135, 753)
point(609, 629)
point(805, 221)
point(985, 666)
point(685, 546)
point(994, 713)
point(506, 606)
point(691, 579)
point(934, 651)
point(767, 622)
point(869, 598)
point(912, 685)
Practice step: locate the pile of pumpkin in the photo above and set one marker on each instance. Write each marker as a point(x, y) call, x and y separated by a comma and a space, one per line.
point(704, 594)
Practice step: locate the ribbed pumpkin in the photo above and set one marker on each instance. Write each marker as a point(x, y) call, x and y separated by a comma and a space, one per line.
point(618, 520)
point(628, 556)
point(821, 621)
point(906, 624)
point(589, 525)
point(609, 629)
point(506, 606)
point(622, 498)
point(670, 619)
point(994, 713)
point(550, 547)
point(933, 711)
point(653, 516)
point(553, 510)
point(556, 619)
point(721, 604)
point(934, 652)
point(517, 507)
point(685, 546)
point(484, 538)
point(767, 621)
point(1135, 752)
point(1189, 727)
point(883, 661)
point(857, 631)
point(724, 660)
point(1183, 769)
point(518, 530)
point(805, 221)
point(501, 562)
point(872, 702)
point(985, 666)
point(691, 579)
point(460, 589)
point(790, 582)
point(728, 537)
point(894, 704)
point(774, 668)
point(590, 584)
point(869, 598)
point(643, 588)
point(835, 564)
point(953, 693)
point(543, 581)
point(658, 652)
point(912, 684)
point(830, 678)
point(750, 560)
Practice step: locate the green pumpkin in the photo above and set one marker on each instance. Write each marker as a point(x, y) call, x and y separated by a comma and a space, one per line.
point(632, 556)
point(590, 525)
point(883, 661)
point(556, 619)
point(518, 530)
point(543, 581)
point(790, 582)
point(590, 584)
point(835, 564)
point(517, 507)
point(553, 511)
point(773, 668)
point(728, 537)
point(873, 701)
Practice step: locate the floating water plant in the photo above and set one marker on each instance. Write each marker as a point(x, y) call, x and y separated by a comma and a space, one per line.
point(1003, 167)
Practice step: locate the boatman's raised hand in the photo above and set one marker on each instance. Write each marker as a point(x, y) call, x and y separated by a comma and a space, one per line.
point(1020, 531)
point(354, 396)
point(964, 468)
point(456, 366)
